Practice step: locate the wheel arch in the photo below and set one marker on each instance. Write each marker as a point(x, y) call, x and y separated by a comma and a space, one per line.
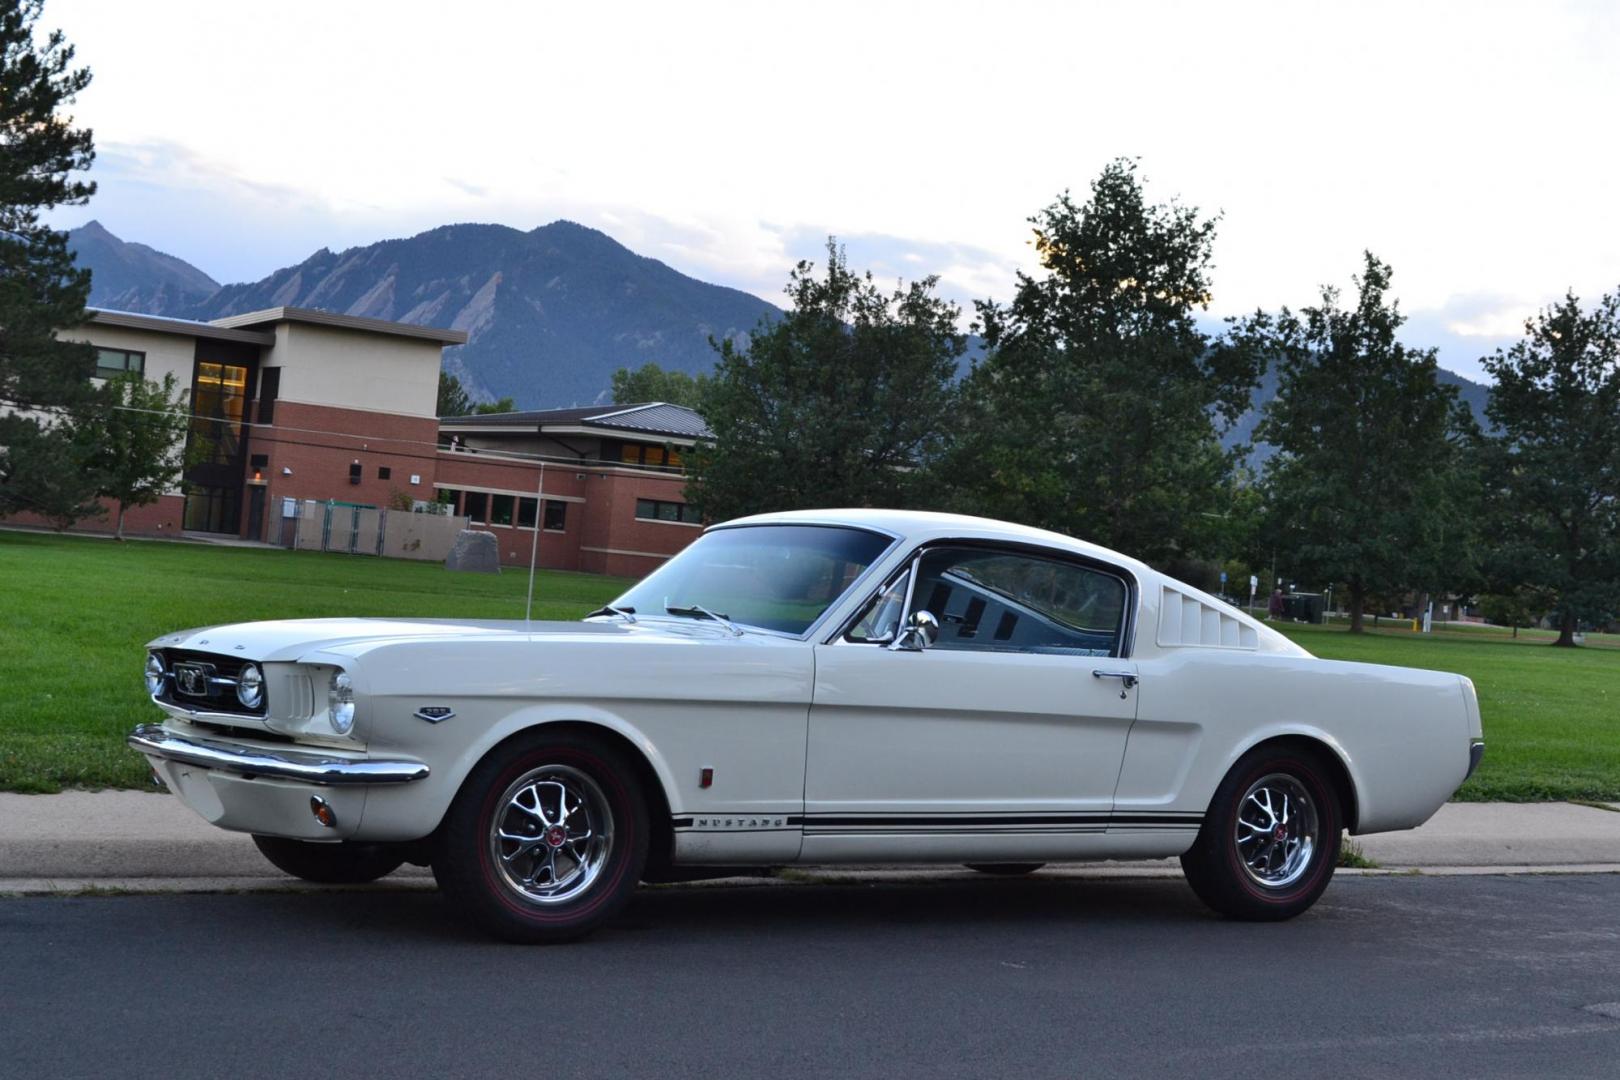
point(650, 772)
point(1326, 751)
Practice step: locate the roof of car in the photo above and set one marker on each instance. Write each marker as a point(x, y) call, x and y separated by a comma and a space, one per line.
point(919, 525)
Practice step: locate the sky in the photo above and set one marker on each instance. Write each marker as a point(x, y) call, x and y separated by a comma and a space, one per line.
point(1470, 145)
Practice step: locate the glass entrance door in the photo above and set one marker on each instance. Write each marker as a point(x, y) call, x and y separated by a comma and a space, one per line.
point(216, 448)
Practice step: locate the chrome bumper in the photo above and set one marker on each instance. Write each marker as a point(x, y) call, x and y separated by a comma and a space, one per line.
point(1476, 753)
point(310, 766)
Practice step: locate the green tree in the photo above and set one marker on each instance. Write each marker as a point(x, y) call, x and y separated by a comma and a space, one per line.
point(45, 390)
point(1523, 606)
point(840, 402)
point(139, 442)
point(652, 383)
point(1093, 412)
point(453, 399)
point(1553, 464)
point(1368, 486)
point(487, 408)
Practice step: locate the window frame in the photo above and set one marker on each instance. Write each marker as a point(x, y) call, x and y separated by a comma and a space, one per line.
point(1125, 646)
point(127, 354)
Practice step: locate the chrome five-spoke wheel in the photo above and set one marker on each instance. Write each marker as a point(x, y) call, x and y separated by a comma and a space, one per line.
point(1267, 847)
point(1276, 831)
point(547, 837)
point(552, 834)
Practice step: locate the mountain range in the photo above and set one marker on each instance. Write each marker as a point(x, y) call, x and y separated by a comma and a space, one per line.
point(550, 313)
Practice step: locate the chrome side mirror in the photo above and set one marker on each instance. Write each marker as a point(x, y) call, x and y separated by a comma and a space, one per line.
point(921, 631)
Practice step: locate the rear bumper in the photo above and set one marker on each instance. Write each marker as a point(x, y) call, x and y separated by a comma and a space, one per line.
point(305, 766)
point(1476, 753)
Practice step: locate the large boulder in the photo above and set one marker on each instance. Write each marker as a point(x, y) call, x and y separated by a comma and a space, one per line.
point(476, 551)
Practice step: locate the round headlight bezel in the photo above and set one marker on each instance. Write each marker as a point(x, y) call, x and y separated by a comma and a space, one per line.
point(250, 686)
point(156, 674)
point(340, 702)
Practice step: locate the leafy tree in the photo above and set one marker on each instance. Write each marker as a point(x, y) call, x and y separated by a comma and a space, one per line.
point(652, 383)
point(1553, 464)
point(1093, 412)
point(45, 385)
point(840, 402)
point(138, 439)
point(1523, 606)
point(486, 408)
point(453, 399)
point(1368, 480)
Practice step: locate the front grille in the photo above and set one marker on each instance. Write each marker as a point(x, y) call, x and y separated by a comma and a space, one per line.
point(208, 682)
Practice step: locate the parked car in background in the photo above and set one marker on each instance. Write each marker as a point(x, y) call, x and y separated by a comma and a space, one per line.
point(841, 686)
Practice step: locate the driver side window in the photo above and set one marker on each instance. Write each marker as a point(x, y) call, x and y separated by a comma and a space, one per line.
point(881, 620)
point(1009, 601)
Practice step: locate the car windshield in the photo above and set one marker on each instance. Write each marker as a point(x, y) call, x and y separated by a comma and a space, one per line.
point(774, 577)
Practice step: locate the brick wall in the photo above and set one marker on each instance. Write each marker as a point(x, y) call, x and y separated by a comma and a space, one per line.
point(320, 442)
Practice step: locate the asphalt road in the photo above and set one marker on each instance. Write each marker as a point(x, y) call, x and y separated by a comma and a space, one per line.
point(965, 977)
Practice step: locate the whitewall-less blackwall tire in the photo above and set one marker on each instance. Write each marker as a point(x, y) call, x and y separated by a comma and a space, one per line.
point(1270, 841)
point(343, 863)
point(546, 839)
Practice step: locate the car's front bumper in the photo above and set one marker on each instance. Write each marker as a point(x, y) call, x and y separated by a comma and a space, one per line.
point(268, 790)
point(309, 766)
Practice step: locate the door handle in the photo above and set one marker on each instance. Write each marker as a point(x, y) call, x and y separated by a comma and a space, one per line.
point(1127, 679)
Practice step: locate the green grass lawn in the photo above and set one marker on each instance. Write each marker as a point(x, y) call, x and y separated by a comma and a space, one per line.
point(1552, 716)
point(76, 611)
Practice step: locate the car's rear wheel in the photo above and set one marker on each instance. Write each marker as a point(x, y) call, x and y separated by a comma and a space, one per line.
point(546, 839)
point(344, 863)
point(1005, 869)
point(1269, 843)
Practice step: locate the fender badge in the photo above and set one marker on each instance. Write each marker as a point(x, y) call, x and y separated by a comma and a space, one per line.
point(434, 713)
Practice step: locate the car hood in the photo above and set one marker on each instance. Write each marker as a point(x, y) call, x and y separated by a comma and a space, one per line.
point(286, 640)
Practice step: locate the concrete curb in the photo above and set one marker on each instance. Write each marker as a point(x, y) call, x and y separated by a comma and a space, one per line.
point(809, 877)
point(81, 840)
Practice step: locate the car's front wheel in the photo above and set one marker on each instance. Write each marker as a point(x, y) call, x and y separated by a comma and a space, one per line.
point(546, 839)
point(345, 863)
point(1269, 843)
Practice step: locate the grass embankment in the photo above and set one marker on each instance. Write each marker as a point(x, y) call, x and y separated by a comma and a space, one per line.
point(76, 611)
point(1552, 716)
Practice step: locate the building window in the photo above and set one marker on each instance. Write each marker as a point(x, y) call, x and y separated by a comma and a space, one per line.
point(500, 509)
point(111, 363)
point(450, 497)
point(556, 516)
point(526, 513)
point(269, 390)
point(660, 510)
point(477, 506)
point(384, 472)
point(642, 454)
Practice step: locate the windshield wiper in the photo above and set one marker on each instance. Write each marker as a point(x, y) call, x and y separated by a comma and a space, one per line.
point(697, 611)
point(628, 614)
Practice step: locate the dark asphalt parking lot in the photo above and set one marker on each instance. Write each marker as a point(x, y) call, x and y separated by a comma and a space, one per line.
point(961, 976)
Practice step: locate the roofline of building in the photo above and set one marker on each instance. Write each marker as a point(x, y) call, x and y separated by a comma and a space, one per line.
point(271, 316)
point(566, 428)
point(131, 320)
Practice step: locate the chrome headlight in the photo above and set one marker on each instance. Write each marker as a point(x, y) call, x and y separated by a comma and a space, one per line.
point(250, 686)
point(155, 674)
point(340, 700)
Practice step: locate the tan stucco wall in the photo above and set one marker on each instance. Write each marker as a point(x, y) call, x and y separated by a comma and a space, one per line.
point(166, 354)
point(323, 365)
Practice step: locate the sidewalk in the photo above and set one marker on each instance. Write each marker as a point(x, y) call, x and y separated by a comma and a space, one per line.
point(132, 839)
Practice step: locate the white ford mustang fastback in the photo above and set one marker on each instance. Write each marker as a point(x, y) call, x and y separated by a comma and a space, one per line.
point(850, 686)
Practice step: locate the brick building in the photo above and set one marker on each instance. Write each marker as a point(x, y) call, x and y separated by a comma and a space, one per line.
point(291, 404)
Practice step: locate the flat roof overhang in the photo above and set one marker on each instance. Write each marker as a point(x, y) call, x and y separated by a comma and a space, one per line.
point(309, 316)
point(131, 320)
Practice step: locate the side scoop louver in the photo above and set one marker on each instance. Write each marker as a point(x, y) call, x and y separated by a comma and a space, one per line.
point(1184, 620)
